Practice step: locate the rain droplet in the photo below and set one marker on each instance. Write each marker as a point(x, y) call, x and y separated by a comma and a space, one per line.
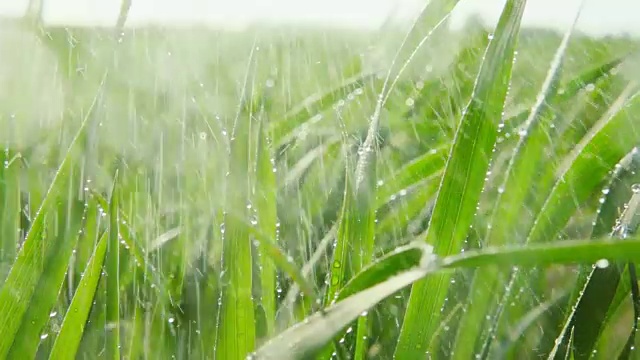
point(602, 263)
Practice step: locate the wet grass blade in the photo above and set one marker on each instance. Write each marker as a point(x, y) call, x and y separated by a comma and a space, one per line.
point(579, 175)
point(48, 288)
point(133, 246)
point(20, 284)
point(594, 301)
point(236, 331)
point(278, 259)
point(463, 180)
point(401, 259)
point(285, 312)
point(567, 91)
point(9, 210)
point(356, 226)
point(302, 117)
point(112, 273)
point(304, 339)
point(504, 224)
point(75, 320)
point(265, 201)
point(414, 171)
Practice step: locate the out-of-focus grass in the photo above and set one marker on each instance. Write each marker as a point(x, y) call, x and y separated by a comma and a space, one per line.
point(234, 171)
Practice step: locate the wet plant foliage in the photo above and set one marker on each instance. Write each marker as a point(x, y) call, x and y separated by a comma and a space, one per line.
point(415, 192)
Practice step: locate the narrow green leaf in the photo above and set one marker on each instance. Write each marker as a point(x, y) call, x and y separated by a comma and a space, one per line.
point(112, 273)
point(414, 171)
point(23, 277)
point(285, 312)
point(9, 211)
point(277, 258)
point(463, 180)
point(134, 247)
point(504, 224)
point(596, 298)
point(75, 320)
point(235, 336)
point(356, 230)
point(564, 252)
point(265, 190)
point(305, 115)
point(587, 167)
point(401, 259)
point(46, 295)
point(567, 91)
point(304, 339)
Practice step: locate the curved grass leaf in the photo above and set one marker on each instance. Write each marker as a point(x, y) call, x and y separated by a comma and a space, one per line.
point(275, 255)
point(463, 180)
point(285, 312)
point(305, 115)
point(21, 282)
point(47, 291)
point(133, 246)
point(411, 173)
point(567, 91)
point(504, 224)
point(75, 320)
point(602, 283)
point(401, 259)
point(304, 339)
point(587, 167)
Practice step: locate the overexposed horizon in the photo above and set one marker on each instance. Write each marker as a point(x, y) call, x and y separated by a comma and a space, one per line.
point(598, 17)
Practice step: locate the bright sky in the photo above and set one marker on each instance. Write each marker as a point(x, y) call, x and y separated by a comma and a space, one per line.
point(598, 16)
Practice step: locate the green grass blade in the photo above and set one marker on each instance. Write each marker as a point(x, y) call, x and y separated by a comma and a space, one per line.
point(504, 224)
point(270, 250)
point(136, 250)
point(265, 190)
point(48, 288)
point(463, 180)
point(568, 91)
point(356, 229)
point(236, 320)
point(27, 269)
point(420, 168)
point(112, 274)
point(594, 301)
point(75, 320)
point(401, 259)
point(306, 338)
point(565, 252)
point(9, 211)
point(579, 175)
point(285, 312)
point(305, 115)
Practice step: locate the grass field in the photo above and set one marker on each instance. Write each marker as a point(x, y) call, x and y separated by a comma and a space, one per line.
point(313, 193)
